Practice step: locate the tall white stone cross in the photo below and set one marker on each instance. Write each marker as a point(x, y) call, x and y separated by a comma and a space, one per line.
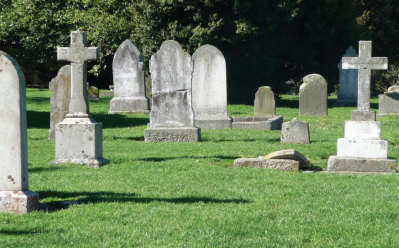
point(364, 63)
point(78, 54)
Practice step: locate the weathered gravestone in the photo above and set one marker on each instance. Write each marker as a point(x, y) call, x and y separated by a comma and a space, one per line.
point(347, 81)
point(171, 116)
point(129, 84)
point(295, 132)
point(264, 101)
point(388, 103)
point(362, 149)
point(60, 88)
point(15, 196)
point(313, 96)
point(78, 138)
point(209, 89)
point(93, 93)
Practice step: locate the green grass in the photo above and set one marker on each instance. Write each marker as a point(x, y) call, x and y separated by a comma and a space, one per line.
point(190, 195)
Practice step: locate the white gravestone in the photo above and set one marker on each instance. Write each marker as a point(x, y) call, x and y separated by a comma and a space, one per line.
point(78, 138)
point(264, 103)
point(15, 196)
point(313, 96)
point(171, 116)
point(362, 149)
point(129, 83)
point(60, 88)
point(210, 89)
point(347, 81)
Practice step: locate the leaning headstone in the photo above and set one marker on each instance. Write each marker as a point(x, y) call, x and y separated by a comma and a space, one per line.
point(313, 96)
point(362, 149)
point(347, 81)
point(295, 132)
point(288, 154)
point(129, 83)
point(388, 103)
point(15, 196)
point(171, 116)
point(93, 93)
point(264, 101)
point(60, 88)
point(209, 89)
point(78, 138)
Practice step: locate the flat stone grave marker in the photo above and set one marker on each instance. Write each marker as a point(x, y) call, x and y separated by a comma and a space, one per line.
point(264, 101)
point(313, 96)
point(129, 82)
point(15, 196)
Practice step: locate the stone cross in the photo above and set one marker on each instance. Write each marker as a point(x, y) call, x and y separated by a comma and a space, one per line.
point(364, 63)
point(78, 54)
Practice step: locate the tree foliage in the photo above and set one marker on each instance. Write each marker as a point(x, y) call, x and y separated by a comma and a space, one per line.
point(265, 42)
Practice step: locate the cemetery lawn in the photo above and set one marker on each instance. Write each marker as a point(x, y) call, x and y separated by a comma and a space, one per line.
point(190, 195)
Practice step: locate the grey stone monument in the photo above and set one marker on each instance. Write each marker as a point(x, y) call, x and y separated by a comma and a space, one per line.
point(60, 88)
point(313, 96)
point(78, 138)
point(388, 103)
point(172, 115)
point(129, 83)
point(15, 196)
point(209, 89)
point(264, 101)
point(362, 149)
point(295, 132)
point(347, 81)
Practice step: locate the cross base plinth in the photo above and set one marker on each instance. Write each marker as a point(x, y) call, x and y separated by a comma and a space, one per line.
point(365, 165)
point(79, 141)
point(18, 202)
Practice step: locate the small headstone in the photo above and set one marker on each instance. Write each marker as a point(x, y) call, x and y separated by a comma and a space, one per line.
point(78, 138)
point(388, 103)
point(295, 132)
point(60, 88)
point(277, 164)
point(172, 116)
point(111, 88)
point(209, 89)
point(129, 83)
point(15, 196)
point(313, 96)
point(347, 81)
point(288, 154)
point(93, 93)
point(264, 101)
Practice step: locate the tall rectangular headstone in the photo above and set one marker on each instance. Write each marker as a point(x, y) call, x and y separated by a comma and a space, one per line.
point(264, 103)
point(347, 81)
point(313, 96)
point(210, 89)
point(362, 149)
point(60, 89)
point(15, 196)
point(129, 82)
point(172, 116)
point(78, 138)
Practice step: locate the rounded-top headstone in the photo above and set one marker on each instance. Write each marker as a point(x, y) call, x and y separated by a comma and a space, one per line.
point(313, 96)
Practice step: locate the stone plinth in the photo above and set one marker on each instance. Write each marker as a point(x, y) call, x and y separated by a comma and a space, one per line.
point(313, 96)
point(388, 104)
point(363, 115)
point(278, 164)
point(264, 103)
point(257, 122)
point(172, 134)
point(87, 133)
point(363, 130)
point(356, 148)
point(18, 202)
point(129, 82)
point(336, 164)
point(295, 132)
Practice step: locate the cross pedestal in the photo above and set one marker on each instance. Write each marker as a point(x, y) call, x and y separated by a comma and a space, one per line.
point(78, 137)
point(362, 149)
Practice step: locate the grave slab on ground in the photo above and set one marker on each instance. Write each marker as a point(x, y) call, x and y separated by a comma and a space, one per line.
point(15, 196)
point(295, 132)
point(362, 149)
point(388, 103)
point(128, 69)
point(288, 154)
point(257, 122)
point(78, 138)
point(60, 89)
point(209, 89)
point(277, 164)
point(172, 115)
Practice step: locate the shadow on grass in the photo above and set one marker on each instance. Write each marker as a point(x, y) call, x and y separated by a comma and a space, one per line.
point(38, 100)
point(41, 169)
point(286, 103)
point(158, 159)
point(226, 140)
point(39, 120)
point(104, 197)
point(140, 138)
point(22, 232)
